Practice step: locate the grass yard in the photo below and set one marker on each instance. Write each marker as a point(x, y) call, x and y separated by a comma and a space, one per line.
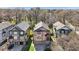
point(32, 48)
point(28, 45)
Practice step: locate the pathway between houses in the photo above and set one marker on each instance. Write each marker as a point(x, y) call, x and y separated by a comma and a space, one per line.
point(54, 45)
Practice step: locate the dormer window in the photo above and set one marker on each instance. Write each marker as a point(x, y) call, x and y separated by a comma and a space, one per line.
point(21, 33)
point(15, 32)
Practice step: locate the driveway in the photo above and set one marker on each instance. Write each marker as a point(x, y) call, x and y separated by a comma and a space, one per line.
point(40, 47)
point(17, 48)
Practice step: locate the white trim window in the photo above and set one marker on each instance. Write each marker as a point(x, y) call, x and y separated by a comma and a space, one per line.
point(21, 33)
point(15, 32)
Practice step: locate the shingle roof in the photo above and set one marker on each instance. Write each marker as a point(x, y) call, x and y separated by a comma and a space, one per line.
point(58, 25)
point(41, 24)
point(4, 25)
point(23, 25)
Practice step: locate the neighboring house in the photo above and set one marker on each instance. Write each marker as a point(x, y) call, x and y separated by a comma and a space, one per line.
point(61, 28)
point(41, 36)
point(4, 27)
point(18, 34)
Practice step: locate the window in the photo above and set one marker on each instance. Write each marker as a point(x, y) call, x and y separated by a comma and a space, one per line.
point(21, 43)
point(16, 43)
point(62, 31)
point(10, 32)
point(3, 35)
point(15, 32)
point(15, 37)
point(21, 33)
point(4, 32)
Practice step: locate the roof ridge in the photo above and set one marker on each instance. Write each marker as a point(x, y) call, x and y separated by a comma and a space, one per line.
point(40, 24)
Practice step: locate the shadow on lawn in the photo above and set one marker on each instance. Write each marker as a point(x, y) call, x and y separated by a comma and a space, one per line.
point(28, 44)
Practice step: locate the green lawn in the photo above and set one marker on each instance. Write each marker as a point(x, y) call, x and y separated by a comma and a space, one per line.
point(30, 46)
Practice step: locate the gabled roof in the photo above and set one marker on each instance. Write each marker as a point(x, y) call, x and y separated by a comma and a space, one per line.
point(58, 25)
point(23, 25)
point(4, 25)
point(70, 25)
point(41, 24)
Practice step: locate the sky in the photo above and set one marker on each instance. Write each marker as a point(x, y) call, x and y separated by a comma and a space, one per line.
point(51, 8)
point(56, 7)
point(44, 4)
point(39, 3)
point(27, 8)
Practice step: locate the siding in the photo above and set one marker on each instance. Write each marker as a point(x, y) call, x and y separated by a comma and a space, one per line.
point(1, 36)
point(39, 36)
point(20, 38)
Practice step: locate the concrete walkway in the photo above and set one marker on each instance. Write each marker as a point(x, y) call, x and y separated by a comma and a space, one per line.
point(17, 48)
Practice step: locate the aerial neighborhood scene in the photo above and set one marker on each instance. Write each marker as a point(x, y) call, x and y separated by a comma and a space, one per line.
point(39, 29)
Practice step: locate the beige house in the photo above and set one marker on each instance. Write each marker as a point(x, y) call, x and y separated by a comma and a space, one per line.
point(41, 35)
